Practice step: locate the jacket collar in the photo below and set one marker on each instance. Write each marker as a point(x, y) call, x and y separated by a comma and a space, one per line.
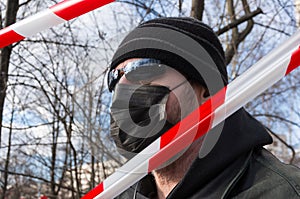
point(241, 133)
point(212, 175)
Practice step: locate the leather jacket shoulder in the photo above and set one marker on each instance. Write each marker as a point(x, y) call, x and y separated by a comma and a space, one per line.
point(267, 177)
point(261, 175)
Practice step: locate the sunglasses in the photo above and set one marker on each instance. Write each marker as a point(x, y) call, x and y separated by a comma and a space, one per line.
point(137, 71)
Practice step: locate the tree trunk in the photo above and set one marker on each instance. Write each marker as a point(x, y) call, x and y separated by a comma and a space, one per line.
point(297, 12)
point(197, 9)
point(10, 18)
point(8, 153)
point(237, 36)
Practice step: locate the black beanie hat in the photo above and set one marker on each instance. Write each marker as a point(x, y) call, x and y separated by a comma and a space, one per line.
point(195, 29)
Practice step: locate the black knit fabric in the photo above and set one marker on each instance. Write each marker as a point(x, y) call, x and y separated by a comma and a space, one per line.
point(195, 29)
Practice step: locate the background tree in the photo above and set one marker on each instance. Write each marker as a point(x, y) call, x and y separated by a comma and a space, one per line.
point(10, 18)
point(55, 119)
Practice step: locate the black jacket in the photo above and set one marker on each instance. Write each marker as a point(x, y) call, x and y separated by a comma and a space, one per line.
point(237, 167)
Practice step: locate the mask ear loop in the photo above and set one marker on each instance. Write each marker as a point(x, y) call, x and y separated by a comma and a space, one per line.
point(179, 85)
point(135, 190)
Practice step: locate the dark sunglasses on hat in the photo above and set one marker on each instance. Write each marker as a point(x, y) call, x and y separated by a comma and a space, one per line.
point(136, 71)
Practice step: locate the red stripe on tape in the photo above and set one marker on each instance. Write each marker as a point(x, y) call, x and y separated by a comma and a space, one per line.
point(219, 98)
point(188, 130)
point(70, 9)
point(179, 144)
point(169, 136)
point(8, 36)
point(195, 117)
point(295, 61)
point(94, 192)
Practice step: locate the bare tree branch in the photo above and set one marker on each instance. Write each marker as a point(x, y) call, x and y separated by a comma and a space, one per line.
point(239, 21)
point(237, 36)
point(285, 143)
point(277, 117)
point(36, 177)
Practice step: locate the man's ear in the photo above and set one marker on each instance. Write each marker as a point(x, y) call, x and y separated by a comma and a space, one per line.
point(206, 93)
point(201, 92)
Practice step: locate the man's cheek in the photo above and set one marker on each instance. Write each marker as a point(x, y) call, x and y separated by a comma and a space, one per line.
point(173, 109)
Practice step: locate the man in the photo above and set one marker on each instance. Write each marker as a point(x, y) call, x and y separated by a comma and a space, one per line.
point(161, 72)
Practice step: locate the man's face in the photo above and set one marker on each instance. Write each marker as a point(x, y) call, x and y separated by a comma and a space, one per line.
point(149, 98)
point(181, 101)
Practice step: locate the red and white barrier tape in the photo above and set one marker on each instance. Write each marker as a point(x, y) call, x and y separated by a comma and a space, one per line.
point(59, 13)
point(254, 81)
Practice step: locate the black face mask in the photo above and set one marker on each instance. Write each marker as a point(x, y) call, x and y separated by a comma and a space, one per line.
point(138, 116)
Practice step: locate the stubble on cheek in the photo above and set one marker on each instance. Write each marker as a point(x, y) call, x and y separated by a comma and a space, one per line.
point(173, 109)
point(176, 110)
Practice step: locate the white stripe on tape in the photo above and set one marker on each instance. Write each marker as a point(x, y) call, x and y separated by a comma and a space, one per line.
point(131, 165)
point(138, 172)
point(37, 23)
point(132, 171)
point(254, 80)
point(219, 115)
